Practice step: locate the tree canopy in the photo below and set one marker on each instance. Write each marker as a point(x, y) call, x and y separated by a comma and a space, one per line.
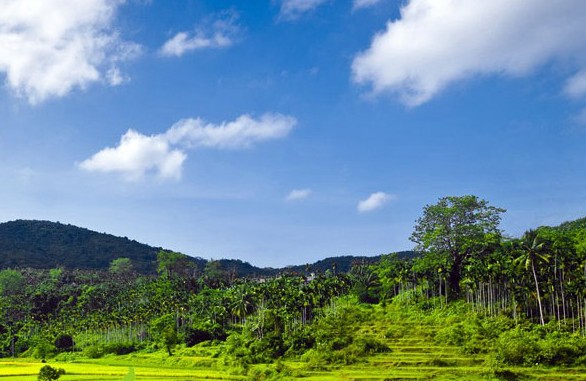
point(453, 230)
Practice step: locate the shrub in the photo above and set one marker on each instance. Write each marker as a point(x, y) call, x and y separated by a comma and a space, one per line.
point(193, 336)
point(561, 349)
point(94, 351)
point(48, 373)
point(474, 335)
point(368, 345)
point(120, 348)
point(517, 347)
point(201, 332)
point(64, 343)
point(523, 346)
point(299, 340)
point(43, 349)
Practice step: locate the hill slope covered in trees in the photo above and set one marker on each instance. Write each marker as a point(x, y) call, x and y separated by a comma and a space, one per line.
point(46, 245)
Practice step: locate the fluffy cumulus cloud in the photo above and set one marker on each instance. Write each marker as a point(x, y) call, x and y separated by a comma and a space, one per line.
point(298, 194)
point(48, 48)
point(293, 9)
point(375, 201)
point(219, 33)
point(138, 155)
point(438, 42)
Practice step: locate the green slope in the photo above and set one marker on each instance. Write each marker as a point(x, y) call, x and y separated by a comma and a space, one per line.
point(44, 244)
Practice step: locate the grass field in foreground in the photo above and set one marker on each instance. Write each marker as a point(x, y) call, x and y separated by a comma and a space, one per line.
point(115, 369)
point(381, 368)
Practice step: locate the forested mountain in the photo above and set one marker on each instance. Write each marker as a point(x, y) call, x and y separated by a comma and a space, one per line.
point(46, 245)
point(344, 263)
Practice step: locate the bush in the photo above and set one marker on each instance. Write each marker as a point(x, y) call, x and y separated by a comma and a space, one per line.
point(120, 348)
point(517, 347)
point(299, 340)
point(244, 349)
point(48, 373)
point(203, 332)
point(368, 345)
point(94, 351)
point(535, 346)
point(64, 343)
point(561, 349)
point(43, 349)
point(474, 335)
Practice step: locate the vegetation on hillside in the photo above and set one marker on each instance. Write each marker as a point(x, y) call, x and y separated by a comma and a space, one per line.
point(49, 245)
point(482, 298)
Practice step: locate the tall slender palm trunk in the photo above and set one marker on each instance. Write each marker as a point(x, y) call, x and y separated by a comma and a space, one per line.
point(538, 293)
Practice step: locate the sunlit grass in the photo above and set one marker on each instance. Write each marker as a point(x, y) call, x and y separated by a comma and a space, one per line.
point(122, 368)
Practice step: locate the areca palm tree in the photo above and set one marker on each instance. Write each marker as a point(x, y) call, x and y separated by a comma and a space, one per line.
point(241, 301)
point(533, 249)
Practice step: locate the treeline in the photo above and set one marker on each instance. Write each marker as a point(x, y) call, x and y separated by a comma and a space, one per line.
point(539, 279)
point(118, 311)
point(47, 245)
point(540, 276)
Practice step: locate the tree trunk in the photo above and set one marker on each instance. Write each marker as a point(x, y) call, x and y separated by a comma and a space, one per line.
point(537, 290)
point(454, 277)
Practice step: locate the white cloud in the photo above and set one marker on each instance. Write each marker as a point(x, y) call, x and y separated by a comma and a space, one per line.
point(138, 155)
point(222, 33)
point(364, 3)
point(48, 48)
point(375, 201)
point(293, 9)
point(298, 194)
point(115, 77)
point(576, 85)
point(438, 42)
point(240, 133)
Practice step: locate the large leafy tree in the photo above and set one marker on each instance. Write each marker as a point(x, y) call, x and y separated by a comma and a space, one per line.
point(454, 230)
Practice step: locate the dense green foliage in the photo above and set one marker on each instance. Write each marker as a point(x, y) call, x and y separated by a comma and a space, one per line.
point(48, 373)
point(47, 245)
point(454, 231)
point(521, 302)
point(43, 244)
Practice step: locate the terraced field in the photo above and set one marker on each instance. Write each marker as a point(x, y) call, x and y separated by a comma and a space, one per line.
point(414, 355)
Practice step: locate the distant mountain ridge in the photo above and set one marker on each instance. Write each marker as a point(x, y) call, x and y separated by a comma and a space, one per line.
point(46, 245)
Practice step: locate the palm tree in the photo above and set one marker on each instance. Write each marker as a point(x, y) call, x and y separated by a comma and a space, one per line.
point(533, 250)
point(242, 301)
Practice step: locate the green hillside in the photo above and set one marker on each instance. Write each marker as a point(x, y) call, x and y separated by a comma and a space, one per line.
point(44, 244)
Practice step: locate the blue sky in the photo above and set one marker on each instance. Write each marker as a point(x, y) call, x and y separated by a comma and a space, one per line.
point(284, 131)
